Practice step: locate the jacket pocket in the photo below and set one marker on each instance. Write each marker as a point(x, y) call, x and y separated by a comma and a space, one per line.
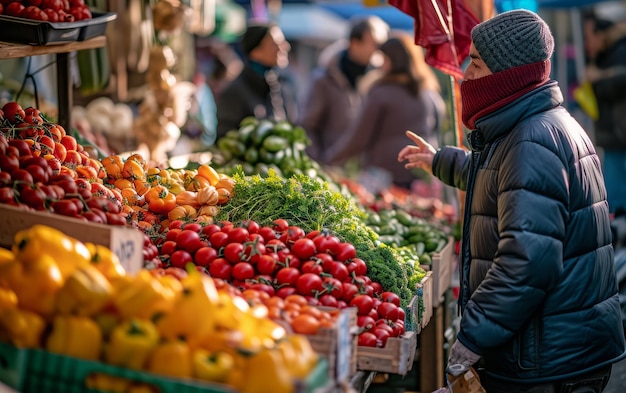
point(527, 343)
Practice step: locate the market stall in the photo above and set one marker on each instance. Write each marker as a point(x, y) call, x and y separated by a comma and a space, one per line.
point(247, 268)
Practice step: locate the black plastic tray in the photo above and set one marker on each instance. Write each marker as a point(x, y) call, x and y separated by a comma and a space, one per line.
point(35, 32)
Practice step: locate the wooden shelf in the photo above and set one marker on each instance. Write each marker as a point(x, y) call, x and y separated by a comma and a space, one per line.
point(14, 51)
point(64, 80)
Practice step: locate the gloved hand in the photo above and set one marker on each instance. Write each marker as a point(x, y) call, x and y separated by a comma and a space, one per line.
point(460, 359)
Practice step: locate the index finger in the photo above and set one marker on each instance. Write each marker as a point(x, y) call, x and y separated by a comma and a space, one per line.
point(414, 137)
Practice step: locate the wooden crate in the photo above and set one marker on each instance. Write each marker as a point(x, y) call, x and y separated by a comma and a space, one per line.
point(441, 266)
point(425, 290)
point(395, 358)
point(338, 345)
point(420, 310)
point(126, 242)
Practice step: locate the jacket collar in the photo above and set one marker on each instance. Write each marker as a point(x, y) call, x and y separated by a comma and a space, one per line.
point(502, 121)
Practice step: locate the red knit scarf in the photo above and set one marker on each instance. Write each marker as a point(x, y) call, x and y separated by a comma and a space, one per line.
point(482, 96)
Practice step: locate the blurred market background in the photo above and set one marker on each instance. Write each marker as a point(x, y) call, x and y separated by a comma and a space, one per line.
point(110, 84)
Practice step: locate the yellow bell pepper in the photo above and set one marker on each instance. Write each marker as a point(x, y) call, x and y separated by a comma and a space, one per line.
point(298, 355)
point(35, 284)
point(192, 316)
point(266, 371)
point(8, 298)
point(171, 358)
point(68, 252)
point(107, 383)
point(22, 328)
point(6, 256)
point(79, 337)
point(105, 260)
point(142, 296)
point(131, 343)
point(86, 292)
point(107, 320)
point(212, 366)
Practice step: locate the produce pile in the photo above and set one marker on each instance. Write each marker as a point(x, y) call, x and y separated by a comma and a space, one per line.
point(399, 229)
point(260, 145)
point(292, 269)
point(47, 10)
point(75, 299)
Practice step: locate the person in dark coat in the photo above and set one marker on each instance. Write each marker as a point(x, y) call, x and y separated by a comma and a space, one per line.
point(538, 292)
point(260, 90)
point(605, 46)
point(406, 95)
point(333, 99)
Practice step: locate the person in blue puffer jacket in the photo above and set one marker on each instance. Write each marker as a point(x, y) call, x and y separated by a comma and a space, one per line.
point(538, 297)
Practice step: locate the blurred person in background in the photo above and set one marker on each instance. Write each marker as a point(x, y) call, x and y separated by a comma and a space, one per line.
point(333, 99)
point(536, 221)
point(260, 90)
point(404, 96)
point(605, 47)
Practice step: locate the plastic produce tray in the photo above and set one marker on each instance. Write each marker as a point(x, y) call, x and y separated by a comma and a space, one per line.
point(35, 32)
point(37, 371)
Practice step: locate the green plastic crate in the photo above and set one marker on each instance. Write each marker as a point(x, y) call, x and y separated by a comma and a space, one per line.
point(33, 370)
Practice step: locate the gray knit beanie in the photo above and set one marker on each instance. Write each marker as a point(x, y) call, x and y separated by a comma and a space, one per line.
point(512, 39)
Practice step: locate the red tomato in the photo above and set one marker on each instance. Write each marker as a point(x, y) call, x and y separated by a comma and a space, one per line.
point(180, 259)
point(188, 240)
point(192, 226)
point(176, 224)
point(390, 297)
point(218, 239)
point(309, 284)
point(284, 292)
point(172, 234)
point(280, 225)
point(264, 288)
point(291, 234)
point(210, 229)
point(221, 268)
point(287, 276)
point(327, 243)
point(267, 233)
point(8, 163)
point(204, 256)
point(328, 301)
point(238, 235)
point(381, 336)
point(311, 267)
point(363, 303)
point(388, 310)
point(12, 110)
point(338, 270)
point(33, 197)
point(267, 264)
point(365, 322)
point(5, 179)
point(333, 287)
point(349, 291)
point(367, 339)
point(22, 146)
point(64, 207)
point(168, 247)
point(7, 195)
point(303, 248)
point(233, 252)
point(38, 173)
point(251, 226)
point(345, 252)
point(243, 271)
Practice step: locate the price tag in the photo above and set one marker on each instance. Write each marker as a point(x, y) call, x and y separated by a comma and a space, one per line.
point(127, 244)
point(344, 346)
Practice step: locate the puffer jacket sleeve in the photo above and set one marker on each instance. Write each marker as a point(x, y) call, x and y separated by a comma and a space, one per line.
point(451, 165)
point(529, 256)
